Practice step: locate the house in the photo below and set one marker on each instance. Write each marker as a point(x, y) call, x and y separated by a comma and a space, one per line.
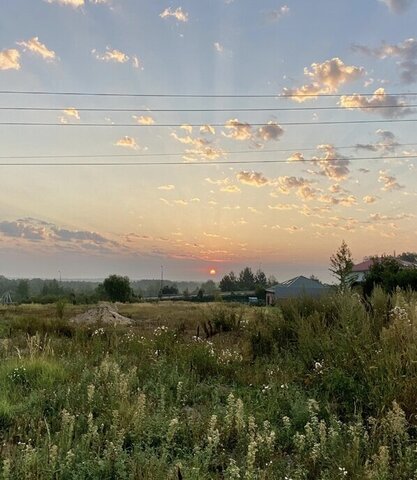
point(360, 270)
point(295, 287)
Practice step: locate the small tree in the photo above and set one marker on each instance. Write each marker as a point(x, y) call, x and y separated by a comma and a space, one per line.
point(246, 279)
point(228, 283)
point(117, 288)
point(341, 264)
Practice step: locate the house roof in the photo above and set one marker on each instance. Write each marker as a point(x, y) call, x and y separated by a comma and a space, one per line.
point(366, 265)
point(297, 286)
point(363, 266)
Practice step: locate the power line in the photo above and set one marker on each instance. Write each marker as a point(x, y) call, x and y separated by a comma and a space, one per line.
point(199, 125)
point(180, 154)
point(202, 110)
point(225, 162)
point(191, 95)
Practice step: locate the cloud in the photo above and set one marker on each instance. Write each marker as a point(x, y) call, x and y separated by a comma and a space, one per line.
point(286, 183)
point(386, 144)
point(10, 59)
point(218, 47)
point(242, 131)
point(127, 142)
point(326, 77)
point(405, 51)
point(397, 6)
point(293, 229)
point(178, 13)
point(38, 48)
point(202, 148)
point(389, 182)
point(70, 3)
point(283, 206)
point(136, 63)
point(278, 13)
point(396, 106)
point(72, 112)
point(270, 131)
point(166, 187)
point(38, 231)
point(296, 157)
point(144, 119)
point(369, 199)
point(238, 130)
point(230, 189)
point(332, 164)
point(254, 179)
point(78, 3)
point(111, 55)
point(23, 229)
point(207, 129)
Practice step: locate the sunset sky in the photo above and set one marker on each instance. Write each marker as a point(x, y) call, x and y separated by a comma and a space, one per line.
point(301, 181)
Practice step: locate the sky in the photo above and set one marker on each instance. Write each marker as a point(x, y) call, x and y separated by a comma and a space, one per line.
point(298, 132)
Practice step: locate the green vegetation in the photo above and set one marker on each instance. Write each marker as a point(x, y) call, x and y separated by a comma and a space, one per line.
point(341, 264)
point(388, 273)
point(313, 389)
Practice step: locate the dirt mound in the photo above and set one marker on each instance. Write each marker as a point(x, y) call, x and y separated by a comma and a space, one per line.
point(104, 313)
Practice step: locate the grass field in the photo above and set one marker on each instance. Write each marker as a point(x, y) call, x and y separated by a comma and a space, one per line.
point(311, 390)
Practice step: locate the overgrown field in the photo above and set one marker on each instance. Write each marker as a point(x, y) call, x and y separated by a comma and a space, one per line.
point(311, 390)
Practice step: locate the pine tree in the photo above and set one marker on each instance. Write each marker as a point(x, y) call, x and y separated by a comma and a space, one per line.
point(341, 264)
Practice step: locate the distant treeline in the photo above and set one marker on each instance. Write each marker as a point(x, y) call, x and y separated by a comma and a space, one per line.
point(78, 291)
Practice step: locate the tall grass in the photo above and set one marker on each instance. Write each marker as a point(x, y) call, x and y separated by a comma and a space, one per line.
point(313, 389)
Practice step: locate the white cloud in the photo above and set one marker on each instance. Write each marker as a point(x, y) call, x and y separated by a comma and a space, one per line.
point(384, 104)
point(127, 142)
point(144, 119)
point(277, 14)
point(405, 51)
point(38, 48)
point(207, 129)
point(296, 157)
point(389, 181)
point(111, 55)
point(369, 199)
point(166, 187)
point(397, 6)
point(326, 77)
point(238, 130)
point(332, 164)
point(255, 179)
point(72, 112)
point(70, 3)
point(10, 59)
point(178, 13)
point(218, 47)
point(230, 189)
point(78, 3)
point(136, 63)
point(242, 131)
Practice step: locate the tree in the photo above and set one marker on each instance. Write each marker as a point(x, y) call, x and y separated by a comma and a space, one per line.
point(209, 287)
point(169, 289)
point(246, 279)
point(228, 283)
point(22, 290)
point(260, 279)
point(341, 264)
point(388, 273)
point(408, 257)
point(117, 288)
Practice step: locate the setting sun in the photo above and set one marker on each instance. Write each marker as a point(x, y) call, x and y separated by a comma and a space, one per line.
point(213, 271)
